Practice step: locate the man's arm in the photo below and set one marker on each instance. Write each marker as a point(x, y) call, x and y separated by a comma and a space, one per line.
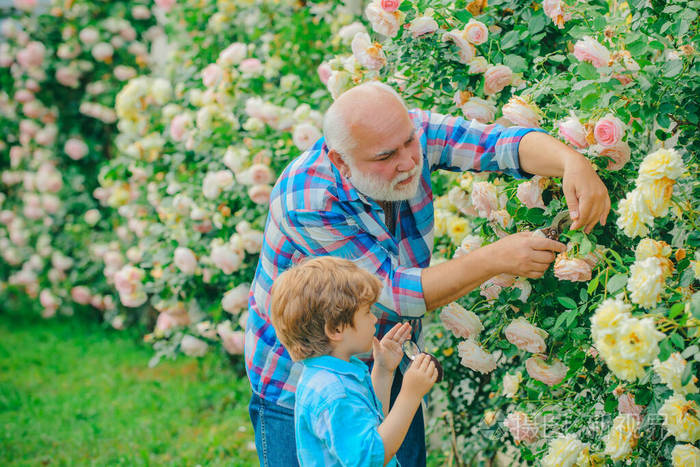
point(521, 254)
point(586, 195)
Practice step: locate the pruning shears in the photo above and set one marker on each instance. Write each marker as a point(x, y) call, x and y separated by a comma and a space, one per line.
point(561, 222)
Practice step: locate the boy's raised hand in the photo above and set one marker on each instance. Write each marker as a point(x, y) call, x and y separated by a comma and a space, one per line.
point(387, 353)
point(420, 376)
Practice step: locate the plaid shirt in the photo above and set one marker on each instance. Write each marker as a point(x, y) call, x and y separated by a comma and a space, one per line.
point(315, 211)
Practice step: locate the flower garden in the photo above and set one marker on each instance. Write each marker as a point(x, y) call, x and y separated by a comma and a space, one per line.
point(140, 141)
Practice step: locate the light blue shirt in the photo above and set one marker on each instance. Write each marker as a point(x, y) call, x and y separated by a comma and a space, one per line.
point(337, 414)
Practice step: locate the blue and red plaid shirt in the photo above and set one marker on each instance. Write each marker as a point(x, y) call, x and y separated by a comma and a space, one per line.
point(315, 211)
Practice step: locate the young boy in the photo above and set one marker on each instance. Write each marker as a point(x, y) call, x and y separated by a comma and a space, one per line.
point(321, 313)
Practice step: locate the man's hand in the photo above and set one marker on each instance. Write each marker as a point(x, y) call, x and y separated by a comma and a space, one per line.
point(387, 353)
point(524, 254)
point(586, 195)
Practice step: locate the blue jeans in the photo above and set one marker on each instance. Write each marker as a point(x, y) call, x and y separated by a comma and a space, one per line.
point(276, 444)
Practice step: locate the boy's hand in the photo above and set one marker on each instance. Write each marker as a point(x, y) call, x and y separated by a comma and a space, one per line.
point(420, 376)
point(387, 353)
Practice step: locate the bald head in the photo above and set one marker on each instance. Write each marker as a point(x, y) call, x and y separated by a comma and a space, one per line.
point(368, 109)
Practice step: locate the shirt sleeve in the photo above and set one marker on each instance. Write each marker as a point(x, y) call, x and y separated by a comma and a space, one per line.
point(455, 144)
point(349, 430)
point(322, 233)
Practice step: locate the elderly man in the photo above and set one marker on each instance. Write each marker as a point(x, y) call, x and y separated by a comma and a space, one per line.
point(363, 192)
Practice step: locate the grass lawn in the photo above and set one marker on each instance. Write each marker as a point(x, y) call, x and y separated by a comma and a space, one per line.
point(73, 393)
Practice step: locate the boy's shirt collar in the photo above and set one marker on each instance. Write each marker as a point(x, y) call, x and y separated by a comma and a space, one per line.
point(355, 367)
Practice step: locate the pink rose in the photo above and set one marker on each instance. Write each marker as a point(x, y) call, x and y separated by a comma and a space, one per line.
point(260, 194)
point(476, 358)
point(423, 25)
point(236, 299)
point(556, 10)
point(571, 269)
point(324, 72)
point(102, 51)
point(33, 109)
point(81, 295)
point(462, 322)
point(185, 260)
point(128, 33)
point(525, 336)
point(48, 300)
point(250, 66)
point(24, 96)
point(140, 12)
point(366, 53)
point(233, 54)
point(478, 65)
point(548, 374)
point(479, 109)
point(260, 174)
point(383, 21)
point(177, 126)
point(76, 148)
point(193, 347)
point(233, 341)
point(476, 32)
point(525, 289)
point(503, 280)
point(465, 49)
point(530, 194)
point(25, 5)
point(305, 135)
point(609, 130)
point(32, 55)
point(124, 73)
point(573, 132)
point(490, 291)
point(484, 198)
point(89, 36)
point(496, 78)
point(390, 5)
point(226, 259)
point(522, 112)
point(164, 322)
point(619, 153)
point(590, 50)
point(166, 5)
point(212, 74)
point(521, 427)
point(626, 406)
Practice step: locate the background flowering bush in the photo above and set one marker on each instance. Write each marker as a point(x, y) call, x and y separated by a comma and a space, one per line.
point(136, 184)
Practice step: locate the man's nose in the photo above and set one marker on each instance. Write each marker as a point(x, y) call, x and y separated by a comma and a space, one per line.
point(406, 161)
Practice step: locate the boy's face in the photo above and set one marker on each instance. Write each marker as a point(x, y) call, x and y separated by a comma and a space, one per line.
point(359, 337)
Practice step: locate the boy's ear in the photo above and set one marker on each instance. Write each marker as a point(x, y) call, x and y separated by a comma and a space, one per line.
point(334, 335)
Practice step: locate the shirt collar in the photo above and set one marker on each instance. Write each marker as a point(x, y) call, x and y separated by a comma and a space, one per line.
point(355, 367)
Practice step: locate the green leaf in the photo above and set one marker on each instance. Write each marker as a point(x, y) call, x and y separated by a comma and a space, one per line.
point(560, 319)
point(677, 340)
point(665, 350)
point(557, 58)
point(663, 120)
point(687, 373)
point(566, 302)
point(510, 39)
point(643, 396)
point(515, 63)
point(695, 305)
point(610, 404)
point(616, 283)
point(462, 15)
point(592, 285)
point(586, 246)
point(637, 47)
point(587, 71)
point(536, 24)
point(535, 216)
point(676, 310)
point(656, 45)
point(672, 68)
point(589, 101)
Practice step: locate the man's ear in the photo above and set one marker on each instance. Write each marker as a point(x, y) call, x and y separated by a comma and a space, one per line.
point(339, 163)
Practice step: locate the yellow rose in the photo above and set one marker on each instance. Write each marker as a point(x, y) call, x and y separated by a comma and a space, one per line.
point(622, 438)
point(671, 371)
point(634, 216)
point(681, 418)
point(657, 195)
point(685, 455)
point(646, 282)
point(661, 163)
point(457, 228)
point(563, 452)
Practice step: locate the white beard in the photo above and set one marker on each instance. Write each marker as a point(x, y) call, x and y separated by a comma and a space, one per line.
point(374, 187)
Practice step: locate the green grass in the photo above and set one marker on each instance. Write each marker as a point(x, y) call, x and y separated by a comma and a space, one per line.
point(74, 393)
